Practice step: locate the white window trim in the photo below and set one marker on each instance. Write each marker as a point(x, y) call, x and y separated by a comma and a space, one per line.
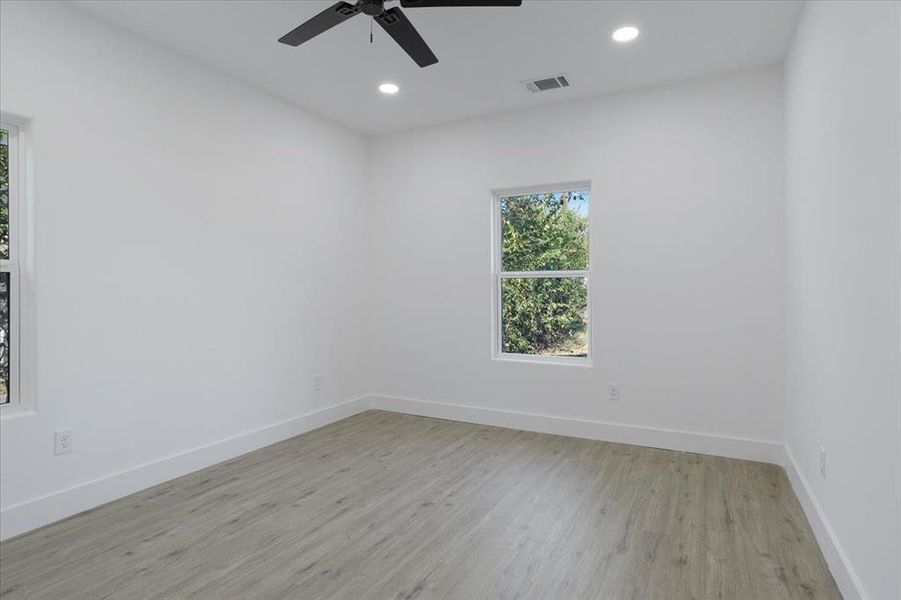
point(498, 275)
point(22, 397)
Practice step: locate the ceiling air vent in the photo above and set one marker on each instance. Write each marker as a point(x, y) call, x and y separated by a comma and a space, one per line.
point(547, 83)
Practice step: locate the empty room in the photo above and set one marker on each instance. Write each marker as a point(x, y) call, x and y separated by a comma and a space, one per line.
point(450, 300)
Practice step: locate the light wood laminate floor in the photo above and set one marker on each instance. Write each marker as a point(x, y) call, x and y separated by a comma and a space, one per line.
point(388, 506)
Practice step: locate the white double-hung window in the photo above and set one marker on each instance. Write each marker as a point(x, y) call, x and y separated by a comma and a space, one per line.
point(10, 187)
point(542, 274)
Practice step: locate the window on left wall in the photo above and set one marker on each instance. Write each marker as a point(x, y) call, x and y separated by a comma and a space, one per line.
point(9, 265)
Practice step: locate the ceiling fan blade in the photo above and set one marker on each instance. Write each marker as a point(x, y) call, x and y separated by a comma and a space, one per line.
point(436, 3)
point(334, 15)
point(399, 27)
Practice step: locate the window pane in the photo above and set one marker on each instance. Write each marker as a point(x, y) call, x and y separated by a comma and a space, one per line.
point(4, 338)
point(4, 194)
point(545, 316)
point(545, 232)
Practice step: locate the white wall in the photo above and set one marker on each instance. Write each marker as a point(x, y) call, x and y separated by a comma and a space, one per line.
point(198, 255)
point(844, 274)
point(687, 256)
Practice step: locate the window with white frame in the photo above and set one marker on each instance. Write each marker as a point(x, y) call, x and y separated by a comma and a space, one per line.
point(9, 266)
point(541, 274)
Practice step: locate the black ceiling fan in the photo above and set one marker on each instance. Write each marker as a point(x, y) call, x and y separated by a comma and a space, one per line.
point(392, 20)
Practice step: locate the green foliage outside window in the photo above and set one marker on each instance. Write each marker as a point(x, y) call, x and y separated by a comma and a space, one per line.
point(4, 277)
point(544, 232)
point(4, 194)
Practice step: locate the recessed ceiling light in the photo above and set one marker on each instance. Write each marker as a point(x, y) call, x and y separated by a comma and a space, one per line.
point(389, 88)
point(625, 34)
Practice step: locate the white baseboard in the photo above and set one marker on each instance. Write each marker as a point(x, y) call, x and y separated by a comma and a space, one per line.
point(29, 515)
point(846, 578)
point(669, 439)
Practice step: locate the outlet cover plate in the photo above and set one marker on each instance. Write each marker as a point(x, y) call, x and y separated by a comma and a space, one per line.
point(62, 442)
point(613, 392)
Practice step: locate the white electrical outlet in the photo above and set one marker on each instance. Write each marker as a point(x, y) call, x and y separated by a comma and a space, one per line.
point(613, 393)
point(822, 460)
point(62, 441)
point(317, 383)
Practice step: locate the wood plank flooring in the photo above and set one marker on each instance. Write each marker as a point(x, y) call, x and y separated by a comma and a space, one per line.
point(388, 506)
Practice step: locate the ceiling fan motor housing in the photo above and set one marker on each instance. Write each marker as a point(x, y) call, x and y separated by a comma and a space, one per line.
point(373, 8)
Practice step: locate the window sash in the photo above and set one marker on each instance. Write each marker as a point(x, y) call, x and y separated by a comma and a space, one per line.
point(13, 395)
point(498, 341)
point(13, 149)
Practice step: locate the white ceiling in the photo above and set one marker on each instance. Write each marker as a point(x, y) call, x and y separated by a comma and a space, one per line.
point(484, 52)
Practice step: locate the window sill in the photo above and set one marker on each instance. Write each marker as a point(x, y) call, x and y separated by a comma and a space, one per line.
point(543, 360)
point(11, 413)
